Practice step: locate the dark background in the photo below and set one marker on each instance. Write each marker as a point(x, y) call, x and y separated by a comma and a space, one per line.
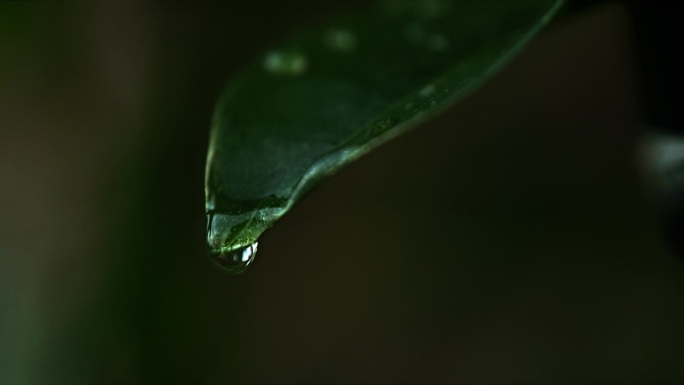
point(511, 239)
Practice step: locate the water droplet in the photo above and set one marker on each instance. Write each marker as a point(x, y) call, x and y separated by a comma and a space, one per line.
point(437, 42)
point(427, 91)
point(341, 40)
point(285, 63)
point(236, 261)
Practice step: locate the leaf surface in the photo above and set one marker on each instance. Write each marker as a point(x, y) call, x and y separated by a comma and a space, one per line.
point(333, 92)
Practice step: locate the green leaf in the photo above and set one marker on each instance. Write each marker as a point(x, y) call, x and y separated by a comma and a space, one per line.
point(330, 94)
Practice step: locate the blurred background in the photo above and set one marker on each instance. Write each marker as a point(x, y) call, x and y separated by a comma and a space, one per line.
point(511, 239)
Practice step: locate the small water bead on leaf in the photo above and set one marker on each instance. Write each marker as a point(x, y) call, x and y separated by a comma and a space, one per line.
point(285, 63)
point(236, 261)
point(341, 40)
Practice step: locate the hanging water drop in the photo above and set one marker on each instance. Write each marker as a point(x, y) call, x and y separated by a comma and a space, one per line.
point(236, 261)
point(285, 63)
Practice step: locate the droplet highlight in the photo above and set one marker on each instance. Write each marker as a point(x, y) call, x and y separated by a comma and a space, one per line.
point(285, 63)
point(236, 261)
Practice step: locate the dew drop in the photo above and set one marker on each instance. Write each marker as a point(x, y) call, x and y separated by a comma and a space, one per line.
point(285, 63)
point(236, 261)
point(341, 40)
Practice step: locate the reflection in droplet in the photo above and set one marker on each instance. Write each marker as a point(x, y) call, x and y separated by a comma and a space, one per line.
point(236, 261)
point(219, 229)
point(341, 40)
point(285, 63)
